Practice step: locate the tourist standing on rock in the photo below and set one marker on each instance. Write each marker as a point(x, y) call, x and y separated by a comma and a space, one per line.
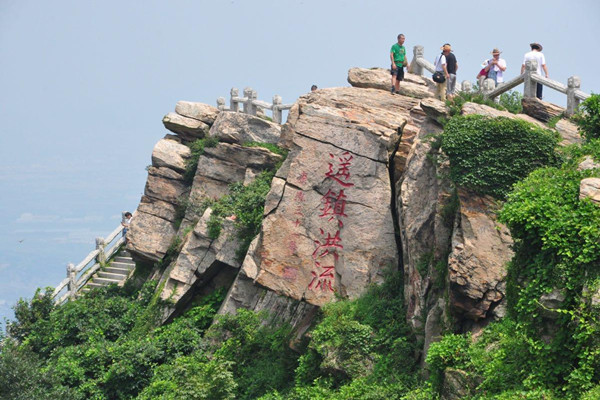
point(536, 54)
point(398, 59)
point(495, 68)
point(440, 66)
point(452, 67)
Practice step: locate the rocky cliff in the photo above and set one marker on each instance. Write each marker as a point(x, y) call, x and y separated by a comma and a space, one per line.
point(363, 188)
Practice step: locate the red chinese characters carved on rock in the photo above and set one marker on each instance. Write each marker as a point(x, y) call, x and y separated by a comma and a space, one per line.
point(342, 175)
point(334, 207)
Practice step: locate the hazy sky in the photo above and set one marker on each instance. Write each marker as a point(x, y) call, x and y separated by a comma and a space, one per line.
point(84, 86)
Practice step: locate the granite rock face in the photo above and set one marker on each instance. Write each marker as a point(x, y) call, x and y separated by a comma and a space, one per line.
point(317, 238)
point(200, 259)
point(425, 219)
point(153, 227)
point(481, 249)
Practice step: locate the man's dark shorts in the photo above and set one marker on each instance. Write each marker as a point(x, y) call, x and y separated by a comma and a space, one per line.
point(398, 72)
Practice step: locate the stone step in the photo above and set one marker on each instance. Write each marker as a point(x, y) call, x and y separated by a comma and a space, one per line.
point(111, 275)
point(120, 271)
point(124, 259)
point(92, 285)
point(122, 265)
point(105, 281)
point(124, 253)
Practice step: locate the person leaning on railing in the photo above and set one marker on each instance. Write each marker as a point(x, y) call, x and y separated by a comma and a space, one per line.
point(125, 223)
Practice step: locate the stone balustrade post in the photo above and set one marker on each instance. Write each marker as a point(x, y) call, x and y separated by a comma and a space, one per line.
point(252, 108)
point(277, 112)
point(573, 84)
point(529, 89)
point(233, 104)
point(221, 104)
point(487, 87)
point(72, 285)
point(100, 244)
point(418, 52)
point(466, 86)
point(248, 102)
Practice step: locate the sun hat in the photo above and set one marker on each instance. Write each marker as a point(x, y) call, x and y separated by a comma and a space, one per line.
point(496, 51)
point(536, 45)
point(446, 47)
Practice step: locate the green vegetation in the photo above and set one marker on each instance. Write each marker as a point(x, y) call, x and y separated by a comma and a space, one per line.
point(245, 204)
point(100, 346)
point(488, 155)
point(509, 101)
point(273, 148)
point(197, 148)
point(588, 117)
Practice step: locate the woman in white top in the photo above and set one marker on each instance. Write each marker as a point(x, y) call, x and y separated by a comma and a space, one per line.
point(495, 67)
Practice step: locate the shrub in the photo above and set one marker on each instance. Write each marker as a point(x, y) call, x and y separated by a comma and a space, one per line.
point(488, 155)
point(588, 117)
point(451, 351)
point(511, 101)
point(557, 248)
point(257, 349)
point(197, 149)
point(247, 204)
point(192, 378)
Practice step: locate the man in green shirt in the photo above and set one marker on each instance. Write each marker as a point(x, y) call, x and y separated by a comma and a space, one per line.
point(399, 61)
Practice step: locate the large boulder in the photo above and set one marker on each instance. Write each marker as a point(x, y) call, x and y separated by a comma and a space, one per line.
point(318, 238)
point(188, 129)
point(200, 111)
point(234, 127)
point(481, 249)
point(170, 154)
point(379, 78)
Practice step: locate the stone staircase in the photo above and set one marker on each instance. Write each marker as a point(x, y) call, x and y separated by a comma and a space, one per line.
point(117, 272)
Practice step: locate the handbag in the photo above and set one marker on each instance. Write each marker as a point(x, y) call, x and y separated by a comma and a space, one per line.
point(438, 77)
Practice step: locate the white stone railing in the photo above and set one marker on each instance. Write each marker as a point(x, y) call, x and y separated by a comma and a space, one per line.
point(530, 78)
point(78, 275)
point(250, 104)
